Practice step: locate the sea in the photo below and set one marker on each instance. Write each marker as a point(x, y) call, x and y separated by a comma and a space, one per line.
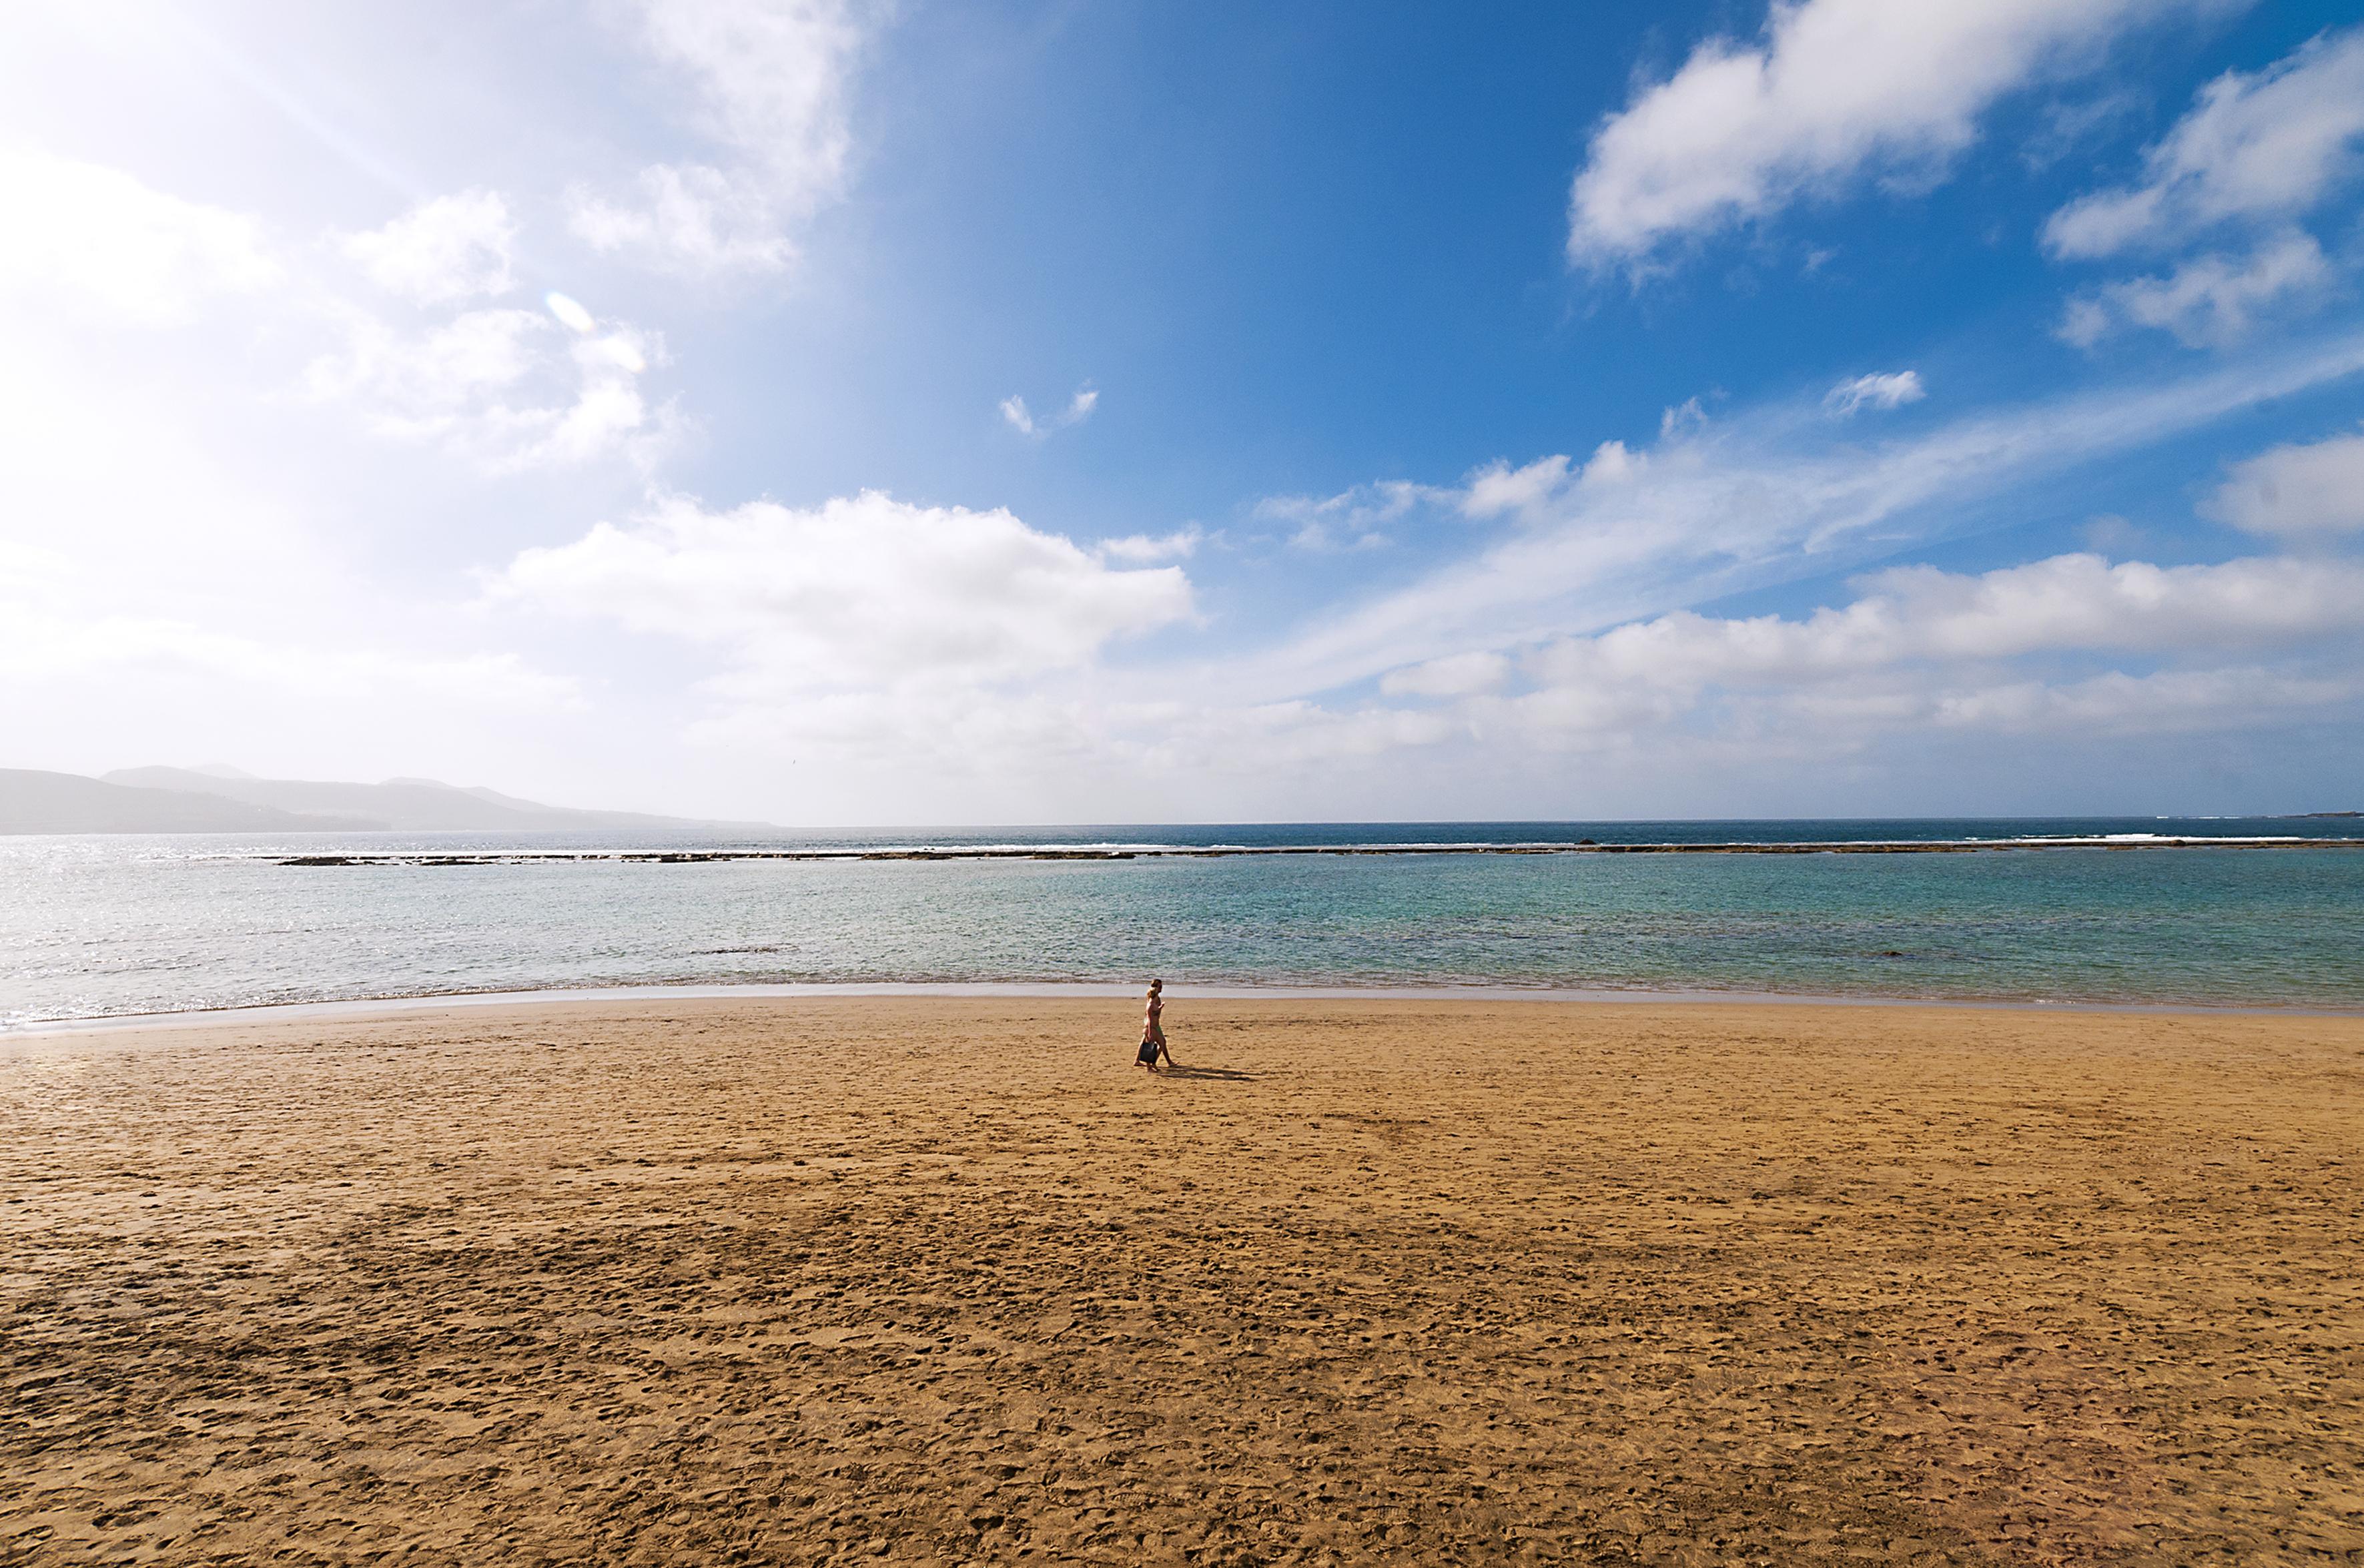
point(2052, 912)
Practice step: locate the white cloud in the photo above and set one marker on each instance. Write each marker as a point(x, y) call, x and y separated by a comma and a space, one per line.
point(154, 648)
point(2079, 602)
point(2266, 146)
point(607, 415)
point(2165, 702)
point(769, 81)
point(422, 384)
point(497, 386)
point(856, 595)
point(1286, 737)
point(1680, 419)
point(453, 247)
point(1748, 503)
point(67, 626)
point(1078, 409)
point(1922, 647)
point(2211, 300)
point(1458, 674)
point(1535, 491)
point(1613, 463)
point(1837, 88)
point(1352, 519)
point(2071, 646)
point(99, 241)
point(2297, 492)
point(692, 219)
point(1141, 549)
point(1888, 391)
point(487, 383)
point(216, 568)
point(1497, 488)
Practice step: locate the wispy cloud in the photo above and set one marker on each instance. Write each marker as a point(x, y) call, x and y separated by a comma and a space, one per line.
point(1079, 407)
point(1889, 391)
point(1455, 676)
point(1750, 502)
point(508, 389)
point(2253, 156)
point(2209, 300)
point(1352, 519)
point(1920, 649)
point(452, 247)
point(1142, 549)
point(2261, 146)
point(768, 85)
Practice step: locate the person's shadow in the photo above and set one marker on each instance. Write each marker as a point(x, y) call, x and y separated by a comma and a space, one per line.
point(1220, 1074)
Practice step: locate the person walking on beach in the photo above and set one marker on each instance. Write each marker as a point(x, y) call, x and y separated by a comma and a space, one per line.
point(1152, 1033)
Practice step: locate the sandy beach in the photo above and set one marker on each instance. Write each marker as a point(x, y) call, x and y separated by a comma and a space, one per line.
point(943, 1281)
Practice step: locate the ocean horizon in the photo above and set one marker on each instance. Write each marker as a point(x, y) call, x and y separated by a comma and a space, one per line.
point(122, 926)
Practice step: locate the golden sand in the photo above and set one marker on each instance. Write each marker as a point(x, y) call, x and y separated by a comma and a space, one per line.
point(942, 1281)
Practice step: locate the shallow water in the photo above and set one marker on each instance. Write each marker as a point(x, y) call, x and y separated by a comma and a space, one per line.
point(111, 924)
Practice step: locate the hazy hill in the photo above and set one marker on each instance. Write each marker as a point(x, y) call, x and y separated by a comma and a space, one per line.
point(35, 802)
point(409, 805)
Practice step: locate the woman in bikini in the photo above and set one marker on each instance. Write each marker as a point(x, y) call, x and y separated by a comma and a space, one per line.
point(1152, 1033)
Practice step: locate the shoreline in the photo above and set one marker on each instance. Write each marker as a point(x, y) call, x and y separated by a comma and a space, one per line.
point(1147, 851)
point(365, 1009)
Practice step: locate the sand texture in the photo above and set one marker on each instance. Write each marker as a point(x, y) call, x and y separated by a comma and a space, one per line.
point(933, 1281)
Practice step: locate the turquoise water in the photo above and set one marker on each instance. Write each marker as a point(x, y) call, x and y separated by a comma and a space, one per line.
point(103, 926)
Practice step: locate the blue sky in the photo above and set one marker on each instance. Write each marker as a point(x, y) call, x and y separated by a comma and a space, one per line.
point(851, 413)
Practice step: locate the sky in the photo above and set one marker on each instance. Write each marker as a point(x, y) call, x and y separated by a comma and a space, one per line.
point(839, 413)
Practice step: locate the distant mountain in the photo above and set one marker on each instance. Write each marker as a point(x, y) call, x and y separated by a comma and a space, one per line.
point(408, 805)
point(35, 802)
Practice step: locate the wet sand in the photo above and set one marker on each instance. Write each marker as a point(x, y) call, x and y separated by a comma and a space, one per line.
point(922, 1280)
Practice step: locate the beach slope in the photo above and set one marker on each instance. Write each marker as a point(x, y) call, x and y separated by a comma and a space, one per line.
point(1374, 1281)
